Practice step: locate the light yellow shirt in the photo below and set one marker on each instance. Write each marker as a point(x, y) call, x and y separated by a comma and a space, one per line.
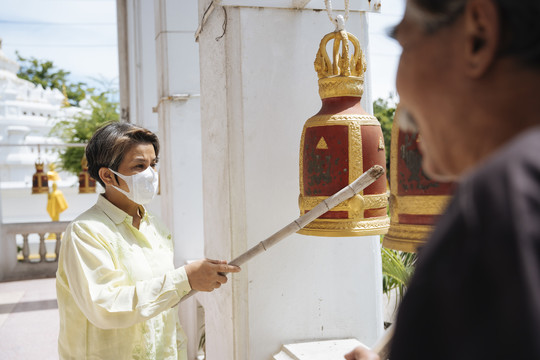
point(116, 288)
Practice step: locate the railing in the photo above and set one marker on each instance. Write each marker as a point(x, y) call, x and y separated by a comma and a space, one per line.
point(25, 263)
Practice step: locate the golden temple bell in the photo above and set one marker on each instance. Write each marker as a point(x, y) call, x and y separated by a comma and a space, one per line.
point(340, 143)
point(39, 179)
point(416, 201)
point(87, 184)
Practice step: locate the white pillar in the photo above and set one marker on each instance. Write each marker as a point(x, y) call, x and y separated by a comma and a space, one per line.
point(178, 106)
point(163, 88)
point(258, 87)
point(6, 257)
point(141, 62)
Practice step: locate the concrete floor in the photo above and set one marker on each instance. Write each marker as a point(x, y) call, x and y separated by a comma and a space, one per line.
point(29, 320)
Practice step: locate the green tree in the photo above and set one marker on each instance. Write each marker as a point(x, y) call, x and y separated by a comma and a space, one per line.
point(384, 112)
point(45, 73)
point(81, 128)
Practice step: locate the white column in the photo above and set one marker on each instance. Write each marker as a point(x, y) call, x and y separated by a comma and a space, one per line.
point(178, 106)
point(258, 87)
point(141, 62)
point(163, 87)
point(7, 257)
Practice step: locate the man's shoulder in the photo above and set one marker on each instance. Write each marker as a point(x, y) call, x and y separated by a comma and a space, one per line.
point(518, 158)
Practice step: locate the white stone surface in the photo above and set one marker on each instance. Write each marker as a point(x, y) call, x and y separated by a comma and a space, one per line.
point(317, 350)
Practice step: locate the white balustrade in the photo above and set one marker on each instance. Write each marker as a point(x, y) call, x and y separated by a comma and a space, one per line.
point(32, 264)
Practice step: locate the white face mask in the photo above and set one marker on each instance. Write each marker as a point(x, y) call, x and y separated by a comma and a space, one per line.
point(142, 186)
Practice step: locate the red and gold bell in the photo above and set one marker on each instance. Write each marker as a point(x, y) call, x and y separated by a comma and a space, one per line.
point(416, 201)
point(340, 143)
point(86, 183)
point(39, 179)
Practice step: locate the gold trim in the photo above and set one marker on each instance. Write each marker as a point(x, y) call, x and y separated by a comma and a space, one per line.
point(329, 120)
point(332, 227)
point(322, 144)
point(341, 86)
point(406, 237)
point(356, 204)
point(393, 162)
point(356, 157)
point(420, 204)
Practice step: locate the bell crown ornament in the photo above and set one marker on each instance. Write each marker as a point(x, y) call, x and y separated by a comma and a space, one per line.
point(343, 74)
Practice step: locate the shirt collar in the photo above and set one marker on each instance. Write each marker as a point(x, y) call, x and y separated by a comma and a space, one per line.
point(116, 214)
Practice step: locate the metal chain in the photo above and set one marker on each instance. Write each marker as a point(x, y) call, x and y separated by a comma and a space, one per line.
point(334, 19)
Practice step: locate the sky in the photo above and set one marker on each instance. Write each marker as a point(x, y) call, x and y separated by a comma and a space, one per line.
point(77, 35)
point(80, 36)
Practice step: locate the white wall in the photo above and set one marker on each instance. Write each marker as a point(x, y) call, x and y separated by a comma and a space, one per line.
point(258, 87)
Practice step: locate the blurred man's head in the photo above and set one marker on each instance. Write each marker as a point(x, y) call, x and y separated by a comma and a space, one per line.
point(464, 65)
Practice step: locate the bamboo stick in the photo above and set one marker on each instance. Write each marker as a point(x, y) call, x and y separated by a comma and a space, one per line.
point(382, 346)
point(324, 206)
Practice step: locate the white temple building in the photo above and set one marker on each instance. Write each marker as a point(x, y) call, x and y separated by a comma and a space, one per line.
point(27, 114)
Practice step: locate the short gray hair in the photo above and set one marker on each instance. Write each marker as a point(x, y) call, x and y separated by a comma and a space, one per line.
point(520, 28)
point(110, 143)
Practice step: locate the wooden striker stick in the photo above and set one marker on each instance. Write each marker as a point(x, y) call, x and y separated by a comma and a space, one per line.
point(328, 204)
point(382, 346)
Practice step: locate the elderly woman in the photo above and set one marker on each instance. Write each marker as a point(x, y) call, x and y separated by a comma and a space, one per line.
point(116, 282)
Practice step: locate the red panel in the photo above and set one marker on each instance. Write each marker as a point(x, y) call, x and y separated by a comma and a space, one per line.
point(335, 215)
point(372, 155)
point(370, 213)
point(418, 219)
point(411, 178)
point(326, 171)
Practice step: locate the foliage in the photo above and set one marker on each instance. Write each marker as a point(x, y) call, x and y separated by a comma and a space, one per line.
point(45, 73)
point(397, 269)
point(80, 130)
point(384, 112)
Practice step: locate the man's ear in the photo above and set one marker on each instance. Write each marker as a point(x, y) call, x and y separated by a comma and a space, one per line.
point(107, 176)
point(482, 36)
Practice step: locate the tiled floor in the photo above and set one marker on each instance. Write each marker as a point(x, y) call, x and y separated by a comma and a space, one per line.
point(28, 320)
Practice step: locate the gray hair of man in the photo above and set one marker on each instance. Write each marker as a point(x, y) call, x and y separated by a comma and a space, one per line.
point(520, 31)
point(520, 28)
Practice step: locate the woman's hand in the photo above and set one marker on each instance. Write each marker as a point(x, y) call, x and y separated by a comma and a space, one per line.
point(362, 353)
point(207, 274)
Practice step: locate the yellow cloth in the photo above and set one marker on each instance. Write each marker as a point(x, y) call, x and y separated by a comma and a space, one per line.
point(116, 288)
point(56, 204)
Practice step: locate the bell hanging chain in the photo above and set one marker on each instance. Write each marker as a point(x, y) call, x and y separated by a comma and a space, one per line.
point(338, 20)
